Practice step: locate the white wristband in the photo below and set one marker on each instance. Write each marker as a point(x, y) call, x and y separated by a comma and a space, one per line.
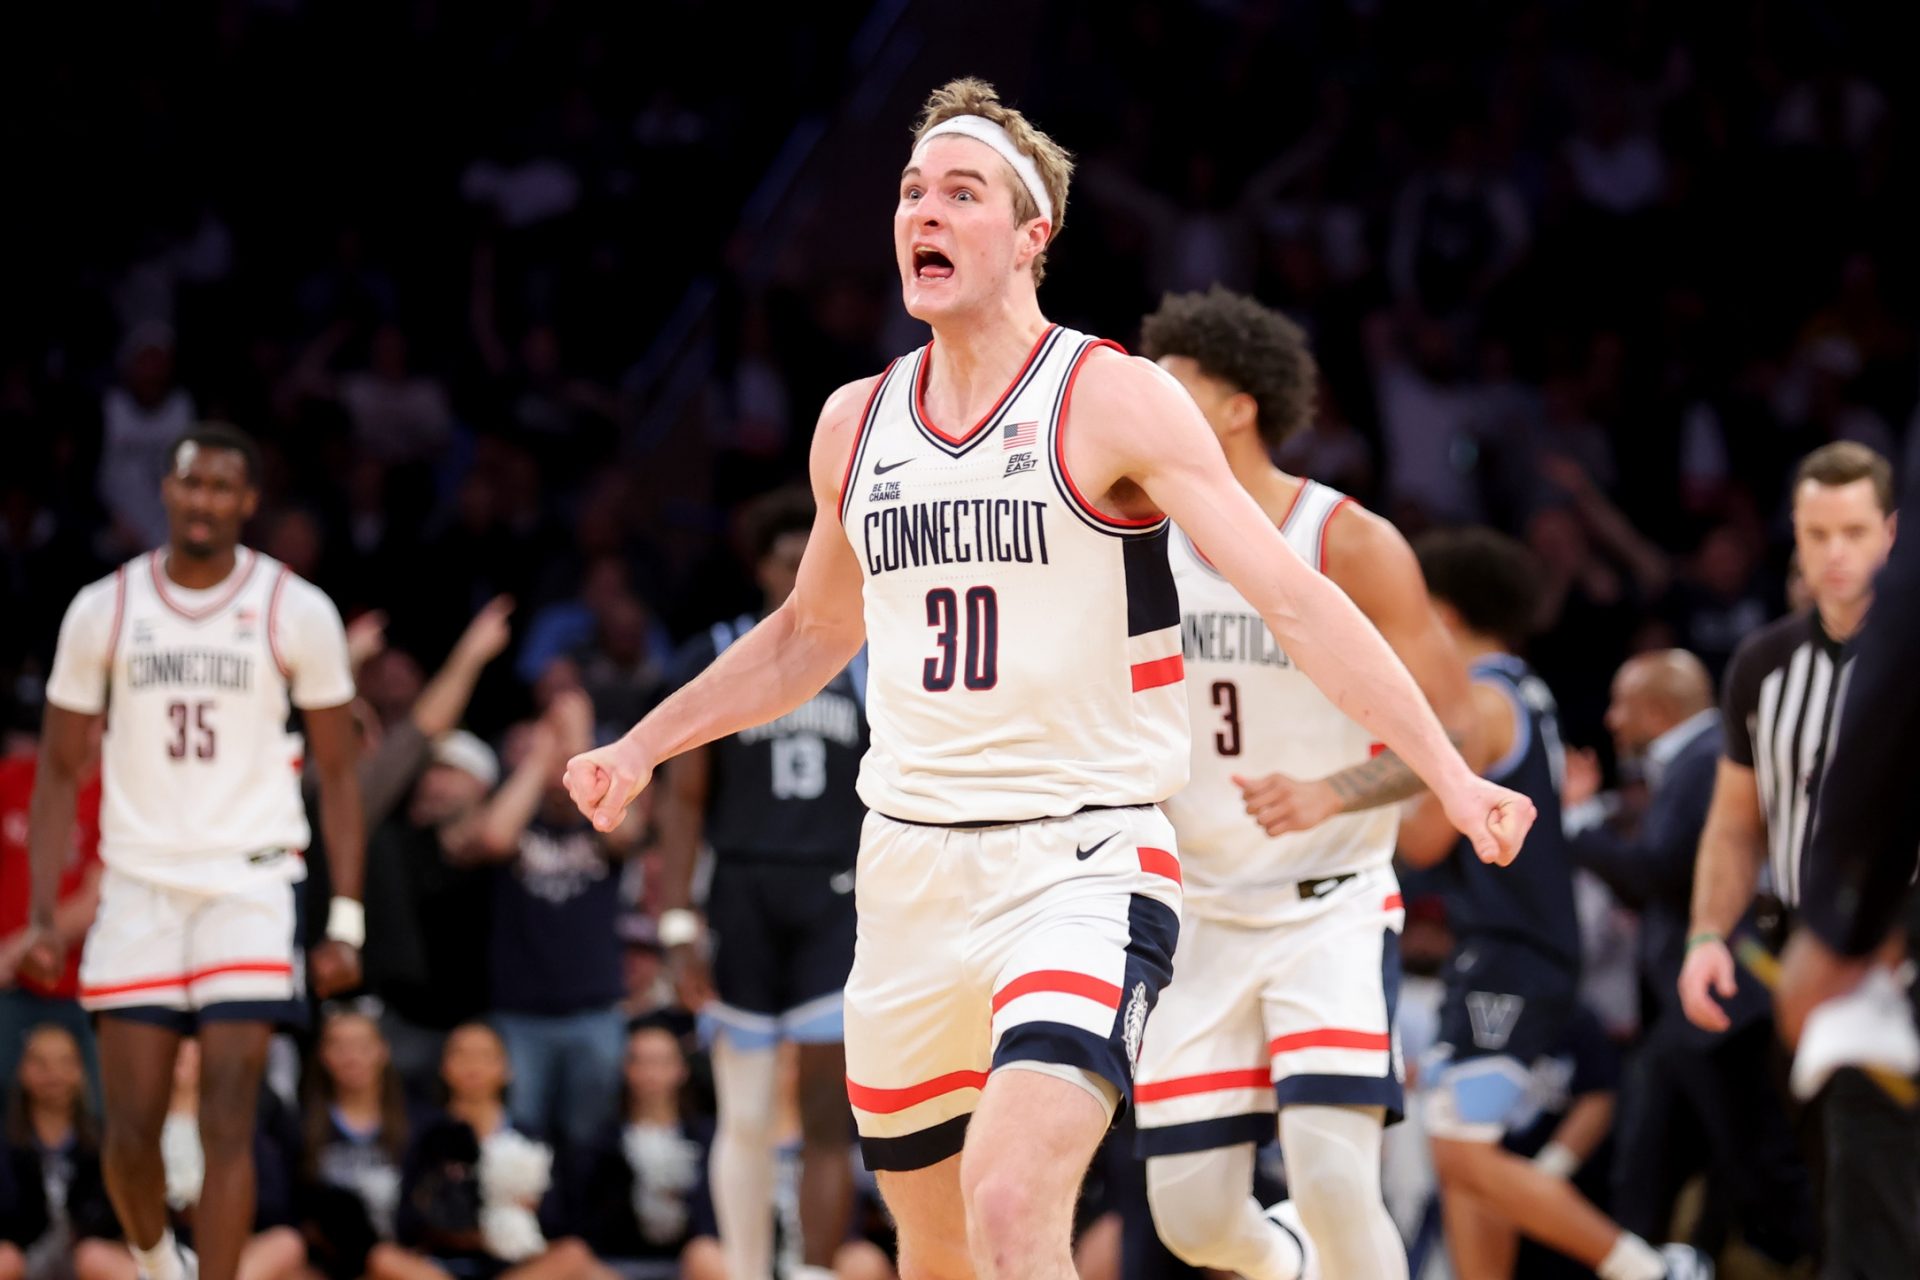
point(347, 922)
point(678, 926)
point(1558, 1160)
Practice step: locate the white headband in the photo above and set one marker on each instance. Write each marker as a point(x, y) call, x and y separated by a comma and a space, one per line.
point(981, 129)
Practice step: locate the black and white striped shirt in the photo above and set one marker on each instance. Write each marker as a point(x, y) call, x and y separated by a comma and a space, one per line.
point(1781, 697)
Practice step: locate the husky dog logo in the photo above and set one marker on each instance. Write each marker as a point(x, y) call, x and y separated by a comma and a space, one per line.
point(1136, 1025)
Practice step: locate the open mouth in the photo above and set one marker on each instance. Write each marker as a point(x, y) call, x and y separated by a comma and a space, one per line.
point(931, 264)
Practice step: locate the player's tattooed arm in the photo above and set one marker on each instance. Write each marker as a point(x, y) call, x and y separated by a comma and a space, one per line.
point(1369, 560)
point(1281, 804)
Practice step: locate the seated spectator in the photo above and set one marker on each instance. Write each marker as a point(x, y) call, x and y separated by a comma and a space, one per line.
point(441, 1223)
point(275, 1252)
point(50, 1122)
point(356, 1130)
point(642, 1195)
point(23, 1212)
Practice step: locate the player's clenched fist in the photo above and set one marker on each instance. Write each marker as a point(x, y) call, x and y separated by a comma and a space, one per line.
point(605, 781)
point(1493, 819)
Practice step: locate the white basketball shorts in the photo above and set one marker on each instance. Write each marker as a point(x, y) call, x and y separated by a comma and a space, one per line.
point(1040, 942)
point(1297, 1011)
point(177, 957)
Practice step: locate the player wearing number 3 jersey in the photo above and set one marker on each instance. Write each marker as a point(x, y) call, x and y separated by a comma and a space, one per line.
point(1289, 963)
point(993, 516)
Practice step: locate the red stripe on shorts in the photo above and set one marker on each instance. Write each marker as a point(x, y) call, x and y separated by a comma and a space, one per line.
point(1330, 1038)
point(888, 1101)
point(1064, 981)
point(1151, 675)
point(1211, 1082)
point(269, 967)
point(1394, 902)
point(1159, 862)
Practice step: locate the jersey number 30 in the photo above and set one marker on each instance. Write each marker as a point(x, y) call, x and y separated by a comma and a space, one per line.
point(981, 661)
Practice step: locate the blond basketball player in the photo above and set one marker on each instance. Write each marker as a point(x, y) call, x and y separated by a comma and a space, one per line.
point(994, 524)
point(195, 654)
point(1289, 963)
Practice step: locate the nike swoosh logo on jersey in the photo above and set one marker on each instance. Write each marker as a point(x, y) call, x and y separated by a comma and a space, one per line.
point(881, 468)
point(1084, 854)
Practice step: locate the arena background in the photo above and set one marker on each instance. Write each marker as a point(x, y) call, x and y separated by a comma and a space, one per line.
point(509, 292)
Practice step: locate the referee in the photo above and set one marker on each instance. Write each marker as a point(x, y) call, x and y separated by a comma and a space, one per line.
point(1778, 708)
point(1859, 877)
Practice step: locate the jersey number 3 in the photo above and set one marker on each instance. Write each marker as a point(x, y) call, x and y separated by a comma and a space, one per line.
point(1226, 696)
point(192, 730)
point(982, 657)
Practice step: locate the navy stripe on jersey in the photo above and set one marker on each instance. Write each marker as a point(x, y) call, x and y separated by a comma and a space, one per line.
point(987, 426)
point(859, 453)
point(1089, 515)
point(1153, 602)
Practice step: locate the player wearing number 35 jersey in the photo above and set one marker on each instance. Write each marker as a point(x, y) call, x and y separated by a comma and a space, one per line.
point(993, 525)
point(197, 655)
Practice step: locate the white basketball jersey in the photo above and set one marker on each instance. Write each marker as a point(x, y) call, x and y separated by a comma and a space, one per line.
point(200, 770)
point(1255, 713)
point(1024, 648)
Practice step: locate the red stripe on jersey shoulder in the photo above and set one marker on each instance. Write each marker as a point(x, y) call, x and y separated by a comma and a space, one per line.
point(273, 622)
point(1060, 446)
point(860, 436)
point(119, 613)
point(1060, 981)
point(1208, 1082)
point(1159, 862)
point(920, 391)
point(1326, 523)
point(887, 1101)
point(1151, 675)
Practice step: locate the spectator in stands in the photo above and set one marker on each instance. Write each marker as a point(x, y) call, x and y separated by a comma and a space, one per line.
point(356, 1135)
point(642, 1189)
point(557, 979)
point(398, 415)
point(441, 1222)
point(429, 910)
point(50, 1121)
point(141, 417)
point(25, 1003)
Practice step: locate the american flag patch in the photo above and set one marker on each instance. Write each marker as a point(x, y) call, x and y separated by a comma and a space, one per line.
point(1019, 435)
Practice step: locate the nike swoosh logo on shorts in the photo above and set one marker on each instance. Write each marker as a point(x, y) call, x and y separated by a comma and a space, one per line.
point(881, 468)
point(1084, 854)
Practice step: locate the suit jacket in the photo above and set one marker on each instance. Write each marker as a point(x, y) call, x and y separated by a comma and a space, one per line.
point(1652, 871)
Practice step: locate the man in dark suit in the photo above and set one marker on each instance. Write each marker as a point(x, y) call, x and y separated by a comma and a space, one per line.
point(1693, 1098)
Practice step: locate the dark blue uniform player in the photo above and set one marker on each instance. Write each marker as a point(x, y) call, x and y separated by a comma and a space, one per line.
point(1511, 984)
point(776, 804)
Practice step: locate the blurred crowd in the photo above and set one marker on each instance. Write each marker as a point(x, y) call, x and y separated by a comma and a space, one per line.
point(1592, 274)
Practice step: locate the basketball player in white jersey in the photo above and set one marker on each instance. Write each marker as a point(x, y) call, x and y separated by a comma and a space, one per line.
point(993, 523)
point(1288, 965)
point(195, 653)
